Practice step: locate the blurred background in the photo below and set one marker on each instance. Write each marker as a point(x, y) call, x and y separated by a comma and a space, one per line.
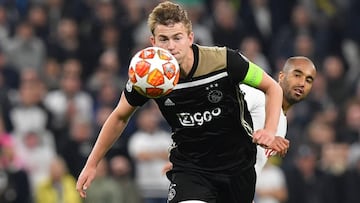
point(63, 65)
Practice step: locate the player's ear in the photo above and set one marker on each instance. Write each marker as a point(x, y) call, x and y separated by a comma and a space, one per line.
point(280, 76)
point(152, 40)
point(191, 37)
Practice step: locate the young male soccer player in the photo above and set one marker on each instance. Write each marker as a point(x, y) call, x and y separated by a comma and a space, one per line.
point(214, 146)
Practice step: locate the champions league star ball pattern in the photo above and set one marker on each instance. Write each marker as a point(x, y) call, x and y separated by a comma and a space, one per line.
point(153, 72)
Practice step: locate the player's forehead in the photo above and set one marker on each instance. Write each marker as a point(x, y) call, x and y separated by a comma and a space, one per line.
point(303, 66)
point(170, 30)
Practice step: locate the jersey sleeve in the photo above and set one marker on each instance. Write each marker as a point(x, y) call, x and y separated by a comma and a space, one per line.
point(241, 70)
point(133, 97)
point(255, 100)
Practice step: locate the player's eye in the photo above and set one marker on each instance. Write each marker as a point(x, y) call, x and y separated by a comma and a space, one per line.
point(162, 39)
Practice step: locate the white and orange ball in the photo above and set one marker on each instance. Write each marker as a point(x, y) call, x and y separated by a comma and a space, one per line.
point(153, 72)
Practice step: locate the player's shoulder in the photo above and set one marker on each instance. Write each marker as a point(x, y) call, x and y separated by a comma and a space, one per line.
point(212, 49)
point(212, 53)
point(216, 52)
point(210, 59)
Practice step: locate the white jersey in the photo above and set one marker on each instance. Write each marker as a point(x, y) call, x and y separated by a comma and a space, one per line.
point(255, 100)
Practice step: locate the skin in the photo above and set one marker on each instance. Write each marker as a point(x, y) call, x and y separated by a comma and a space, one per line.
point(296, 80)
point(178, 40)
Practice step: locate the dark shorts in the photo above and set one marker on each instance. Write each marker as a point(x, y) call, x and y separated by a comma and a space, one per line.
point(212, 188)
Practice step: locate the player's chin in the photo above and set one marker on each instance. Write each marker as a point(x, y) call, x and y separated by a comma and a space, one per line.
point(296, 99)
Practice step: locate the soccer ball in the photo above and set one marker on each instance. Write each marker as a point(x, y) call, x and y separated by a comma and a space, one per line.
point(153, 72)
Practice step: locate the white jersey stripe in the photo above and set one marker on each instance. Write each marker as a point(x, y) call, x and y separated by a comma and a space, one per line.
point(200, 82)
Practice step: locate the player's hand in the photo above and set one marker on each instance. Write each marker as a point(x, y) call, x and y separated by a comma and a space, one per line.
point(86, 176)
point(167, 167)
point(279, 146)
point(267, 140)
point(263, 138)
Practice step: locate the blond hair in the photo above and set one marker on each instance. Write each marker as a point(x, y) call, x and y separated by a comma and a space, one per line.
point(167, 13)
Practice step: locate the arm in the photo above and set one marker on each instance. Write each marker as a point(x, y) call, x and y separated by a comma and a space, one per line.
point(259, 79)
point(273, 101)
point(255, 77)
point(110, 132)
point(255, 100)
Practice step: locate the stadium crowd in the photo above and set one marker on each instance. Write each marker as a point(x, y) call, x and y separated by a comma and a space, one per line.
point(63, 65)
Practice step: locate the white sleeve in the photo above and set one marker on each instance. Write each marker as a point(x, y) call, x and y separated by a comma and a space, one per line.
point(282, 127)
point(255, 100)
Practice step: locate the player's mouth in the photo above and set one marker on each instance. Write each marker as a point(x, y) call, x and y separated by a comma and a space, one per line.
point(299, 92)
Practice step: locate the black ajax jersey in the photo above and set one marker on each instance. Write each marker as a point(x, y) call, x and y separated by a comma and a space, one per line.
point(210, 122)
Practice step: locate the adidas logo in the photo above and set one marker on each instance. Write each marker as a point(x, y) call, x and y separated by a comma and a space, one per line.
point(168, 102)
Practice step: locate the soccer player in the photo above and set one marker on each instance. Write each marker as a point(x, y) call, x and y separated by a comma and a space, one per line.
point(296, 79)
point(214, 145)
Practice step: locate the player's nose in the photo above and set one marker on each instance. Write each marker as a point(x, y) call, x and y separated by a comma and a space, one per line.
point(302, 82)
point(171, 45)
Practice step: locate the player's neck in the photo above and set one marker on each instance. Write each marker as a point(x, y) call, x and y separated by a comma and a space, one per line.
point(286, 106)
